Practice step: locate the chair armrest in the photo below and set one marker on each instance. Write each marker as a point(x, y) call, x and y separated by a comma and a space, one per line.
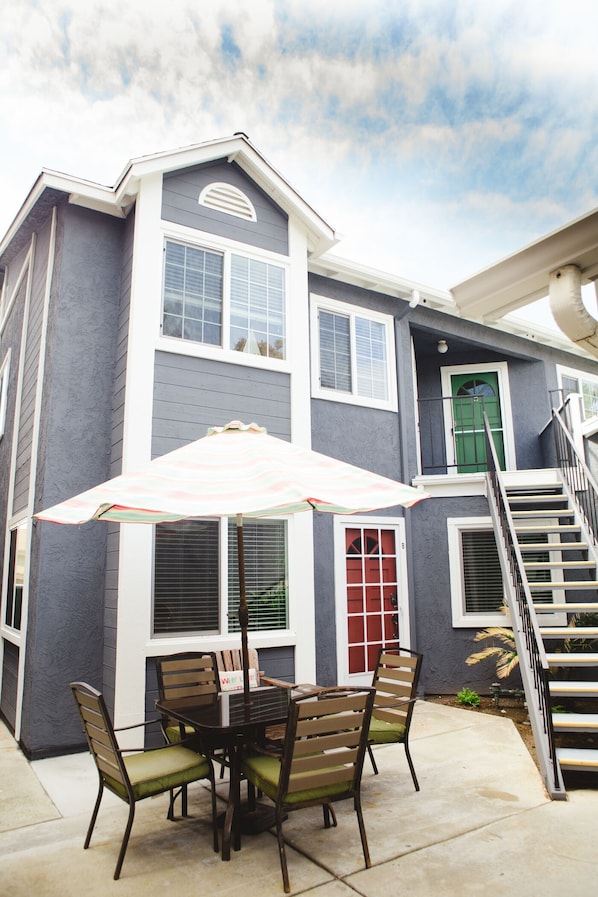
point(267, 680)
point(149, 722)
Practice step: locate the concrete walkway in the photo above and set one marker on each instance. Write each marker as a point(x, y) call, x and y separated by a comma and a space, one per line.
point(481, 824)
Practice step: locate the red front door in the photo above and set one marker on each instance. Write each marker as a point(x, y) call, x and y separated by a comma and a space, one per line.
point(372, 594)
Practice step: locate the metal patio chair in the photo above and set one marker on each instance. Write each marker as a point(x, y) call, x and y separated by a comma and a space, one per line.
point(395, 681)
point(143, 773)
point(321, 760)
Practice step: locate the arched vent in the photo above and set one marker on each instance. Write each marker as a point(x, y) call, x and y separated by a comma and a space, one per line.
point(228, 199)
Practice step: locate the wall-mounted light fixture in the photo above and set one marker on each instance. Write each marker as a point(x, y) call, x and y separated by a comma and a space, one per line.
point(442, 346)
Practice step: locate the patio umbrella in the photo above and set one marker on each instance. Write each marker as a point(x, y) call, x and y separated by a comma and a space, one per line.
point(235, 471)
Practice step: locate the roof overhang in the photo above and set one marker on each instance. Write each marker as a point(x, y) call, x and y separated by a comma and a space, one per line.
point(523, 277)
point(118, 200)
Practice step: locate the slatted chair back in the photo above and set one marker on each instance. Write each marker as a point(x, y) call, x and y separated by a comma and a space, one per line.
point(101, 738)
point(188, 674)
point(321, 762)
point(232, 659)
point(325, 744)
point(395, 680)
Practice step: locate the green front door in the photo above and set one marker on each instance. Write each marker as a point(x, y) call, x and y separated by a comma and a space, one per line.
point(472, 394)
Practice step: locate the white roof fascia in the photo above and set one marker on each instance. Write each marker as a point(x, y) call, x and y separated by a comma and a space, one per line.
point(83, 193)
point(352, 272)
point(349, 271)
point(117, 200)
point(240, 150)
point(522, 277)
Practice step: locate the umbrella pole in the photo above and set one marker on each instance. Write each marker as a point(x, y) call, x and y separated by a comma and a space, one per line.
point(243, 612)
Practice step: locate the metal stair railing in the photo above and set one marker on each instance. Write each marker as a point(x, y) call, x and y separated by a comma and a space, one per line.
point(581, 485)
point(533, 664)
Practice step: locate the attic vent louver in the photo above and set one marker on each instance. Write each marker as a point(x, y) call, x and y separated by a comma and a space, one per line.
point(228, 199)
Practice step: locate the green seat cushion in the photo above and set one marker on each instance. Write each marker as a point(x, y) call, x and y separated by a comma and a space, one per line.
point(264, 772)
point(152, 772)
point(382, 732)
point(173, 733)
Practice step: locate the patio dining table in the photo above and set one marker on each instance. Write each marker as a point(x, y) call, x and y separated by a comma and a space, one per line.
point(225, 720)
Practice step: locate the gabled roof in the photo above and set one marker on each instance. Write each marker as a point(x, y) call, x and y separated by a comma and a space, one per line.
point(118, 200)
point(522, 278)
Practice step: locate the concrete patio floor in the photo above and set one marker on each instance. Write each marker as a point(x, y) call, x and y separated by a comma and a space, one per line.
point(481, 824)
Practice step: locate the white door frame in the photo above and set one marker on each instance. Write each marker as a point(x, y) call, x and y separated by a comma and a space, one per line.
point(340, 589)
point(501, 369)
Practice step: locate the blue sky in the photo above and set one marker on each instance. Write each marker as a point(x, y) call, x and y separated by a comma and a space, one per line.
point(436, 136)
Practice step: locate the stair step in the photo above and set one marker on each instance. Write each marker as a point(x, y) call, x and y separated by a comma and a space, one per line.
point(563, 584)
point(571, 659)
point(526, 498)
point(568, 688)
point(542, 513)
point(549, 528)
point(575, 722)
point(553, 546)
point(569, 565)
point(569, 607)
point(577, 759)
point(569, 632)
point(548, 488)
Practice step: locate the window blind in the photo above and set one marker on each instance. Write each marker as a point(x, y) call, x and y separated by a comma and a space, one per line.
point(335, 351)
point(482, 576)
point(265, 550)
point(186, 577)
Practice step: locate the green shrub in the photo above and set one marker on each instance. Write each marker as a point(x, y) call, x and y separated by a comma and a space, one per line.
point(468, 697)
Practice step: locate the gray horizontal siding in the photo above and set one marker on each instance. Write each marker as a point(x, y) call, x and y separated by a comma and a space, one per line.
point(192, 394)
point(180, 205)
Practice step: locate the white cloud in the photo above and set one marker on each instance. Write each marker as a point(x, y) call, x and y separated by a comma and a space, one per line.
point(435, 136)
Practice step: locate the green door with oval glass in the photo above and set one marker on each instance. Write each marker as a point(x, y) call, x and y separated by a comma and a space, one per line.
point(471, 395)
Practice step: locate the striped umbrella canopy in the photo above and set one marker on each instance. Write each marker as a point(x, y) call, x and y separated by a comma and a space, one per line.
point(235, 471)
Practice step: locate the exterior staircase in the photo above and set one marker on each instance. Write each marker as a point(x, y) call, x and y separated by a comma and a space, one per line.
point(559, 568)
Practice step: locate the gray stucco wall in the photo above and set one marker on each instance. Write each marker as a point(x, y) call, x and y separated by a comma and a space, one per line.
point(65, 623)
point(445, 648)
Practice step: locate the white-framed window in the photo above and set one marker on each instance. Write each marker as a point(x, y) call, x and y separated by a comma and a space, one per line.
point(15, 577)
point(353, 354)
point(196, 583)
point(477, 592)
point(223, 298)
point(582, 383)
point(4, 375)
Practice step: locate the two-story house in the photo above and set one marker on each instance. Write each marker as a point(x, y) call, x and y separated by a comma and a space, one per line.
point(200, 289)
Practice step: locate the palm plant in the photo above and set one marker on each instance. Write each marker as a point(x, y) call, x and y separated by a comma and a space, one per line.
point(504, 653)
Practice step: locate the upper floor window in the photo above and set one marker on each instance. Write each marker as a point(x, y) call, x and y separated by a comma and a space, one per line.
point(586, 385)
point(224, 299)
point(353, 349)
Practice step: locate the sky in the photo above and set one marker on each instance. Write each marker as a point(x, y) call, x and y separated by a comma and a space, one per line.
point(435, 136)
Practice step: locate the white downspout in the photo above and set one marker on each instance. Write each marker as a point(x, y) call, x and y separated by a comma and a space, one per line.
point(568, 309)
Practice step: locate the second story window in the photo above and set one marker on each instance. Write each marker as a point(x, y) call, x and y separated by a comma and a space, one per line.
point(354, 348)
point(224, 299)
